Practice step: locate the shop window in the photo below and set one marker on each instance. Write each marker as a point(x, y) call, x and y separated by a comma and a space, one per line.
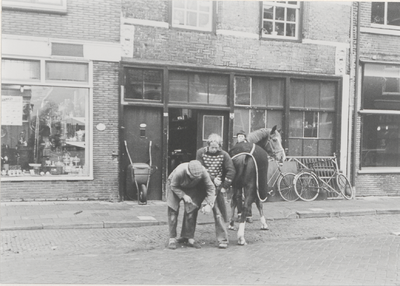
point(44, 132)
point(56, 6)
point(385, 14)
point(14, 69)
point(258, 103)
point(195, 15)
point(380, 140)
point(143, 84)
point(380, 143)
point(198, 88)
point(280, 19)
point(312, 118)
point(64, 71)
point(381, 87)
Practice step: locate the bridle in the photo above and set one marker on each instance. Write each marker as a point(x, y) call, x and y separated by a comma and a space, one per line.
point(274, 151)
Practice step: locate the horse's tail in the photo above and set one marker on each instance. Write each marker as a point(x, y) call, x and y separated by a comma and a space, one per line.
point(240, 164)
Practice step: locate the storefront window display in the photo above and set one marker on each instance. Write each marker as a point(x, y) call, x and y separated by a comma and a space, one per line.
point(44, 131)
point(380, 145)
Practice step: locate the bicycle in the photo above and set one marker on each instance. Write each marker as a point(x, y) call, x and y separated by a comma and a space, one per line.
point(322, 174)
point(285, 184)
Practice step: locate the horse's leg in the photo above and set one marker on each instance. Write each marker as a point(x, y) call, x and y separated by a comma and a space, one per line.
point(233, 206)
point(248, 199)
point(263, 221)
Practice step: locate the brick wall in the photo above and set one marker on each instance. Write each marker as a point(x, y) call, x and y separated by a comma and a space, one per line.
point(185, 47)
point(174, 46)
point(241, 16)
point(381, 47)
point(92, 20)
point(378, 185)
point(153, 10)
point(327, 21)
point(105, 183)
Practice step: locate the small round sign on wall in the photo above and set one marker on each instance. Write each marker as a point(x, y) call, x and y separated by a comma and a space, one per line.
point(101, 127)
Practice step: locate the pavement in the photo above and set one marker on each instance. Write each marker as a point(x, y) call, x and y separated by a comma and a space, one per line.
point(101, 214)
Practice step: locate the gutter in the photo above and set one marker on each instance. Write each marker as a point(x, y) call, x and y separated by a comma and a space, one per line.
point(356, 91)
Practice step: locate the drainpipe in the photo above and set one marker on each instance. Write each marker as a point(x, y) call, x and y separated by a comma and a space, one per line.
point(356, 91)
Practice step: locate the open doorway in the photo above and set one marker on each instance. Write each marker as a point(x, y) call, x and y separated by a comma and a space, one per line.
point(182, 143)
point(189, 130)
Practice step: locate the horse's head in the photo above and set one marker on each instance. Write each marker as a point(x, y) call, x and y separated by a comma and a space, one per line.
point(274, 145)
point(270, 140)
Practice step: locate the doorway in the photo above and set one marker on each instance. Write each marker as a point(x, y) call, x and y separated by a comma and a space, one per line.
point(142, 125)
point(189, 130)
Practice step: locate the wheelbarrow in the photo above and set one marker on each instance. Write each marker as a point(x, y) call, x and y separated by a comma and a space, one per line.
point(140, 174)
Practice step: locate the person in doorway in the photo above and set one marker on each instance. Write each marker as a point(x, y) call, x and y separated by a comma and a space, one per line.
point(191, 183)
point(241, 136)
point(220, 167)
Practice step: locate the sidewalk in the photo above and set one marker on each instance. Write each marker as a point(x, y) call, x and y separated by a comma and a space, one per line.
point(99, 214)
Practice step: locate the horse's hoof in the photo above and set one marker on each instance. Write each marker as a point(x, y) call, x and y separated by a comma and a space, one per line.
point(264, 228)
point(231, 227)
point(242, 243)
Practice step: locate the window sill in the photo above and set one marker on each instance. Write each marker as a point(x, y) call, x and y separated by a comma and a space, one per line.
point(380, 31)
point(379, 170)
point(45, 178)
point(279, 38)
point(186, 28)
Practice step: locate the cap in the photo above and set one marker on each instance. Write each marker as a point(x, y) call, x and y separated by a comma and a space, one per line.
point(195, 168)
point(241, 132)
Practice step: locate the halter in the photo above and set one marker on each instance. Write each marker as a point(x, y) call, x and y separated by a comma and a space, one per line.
point(281, 150)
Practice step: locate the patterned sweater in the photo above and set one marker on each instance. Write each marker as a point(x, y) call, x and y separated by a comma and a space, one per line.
point(218, 164)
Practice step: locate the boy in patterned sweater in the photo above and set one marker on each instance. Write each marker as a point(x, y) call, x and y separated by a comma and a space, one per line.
point(220, 167)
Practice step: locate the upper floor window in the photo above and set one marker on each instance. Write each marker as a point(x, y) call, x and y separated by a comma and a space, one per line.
point(280, 19)
point(386, 14)
point(58, 6)
point(189, 14)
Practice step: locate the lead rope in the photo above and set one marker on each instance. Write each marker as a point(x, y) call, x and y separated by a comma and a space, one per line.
point(255, 163)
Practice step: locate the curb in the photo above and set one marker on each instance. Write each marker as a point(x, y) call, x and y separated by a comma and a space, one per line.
point(97, 225)
point(130, 224)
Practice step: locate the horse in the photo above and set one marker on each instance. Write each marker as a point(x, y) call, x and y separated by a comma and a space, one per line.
point(251, 164)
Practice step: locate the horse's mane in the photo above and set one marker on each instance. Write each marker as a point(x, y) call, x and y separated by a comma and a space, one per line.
point(258, 135)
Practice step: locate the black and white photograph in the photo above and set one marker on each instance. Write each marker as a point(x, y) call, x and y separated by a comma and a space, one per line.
point(200, 142)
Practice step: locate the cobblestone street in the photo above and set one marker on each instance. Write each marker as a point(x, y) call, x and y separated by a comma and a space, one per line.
point(325, 251)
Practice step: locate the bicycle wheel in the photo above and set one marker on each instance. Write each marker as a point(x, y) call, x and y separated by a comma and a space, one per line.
point(344, 186)
point(306, 186)
point(286, 188)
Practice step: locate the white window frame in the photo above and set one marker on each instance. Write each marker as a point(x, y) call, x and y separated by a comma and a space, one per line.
point(286, 5)
point(209, 28)
point(384, 25)
point(36, 5)
point(89, 126)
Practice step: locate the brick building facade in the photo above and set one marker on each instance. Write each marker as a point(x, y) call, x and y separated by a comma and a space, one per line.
point(376, 162)
point(39, 42)
point(280, 64)
point(159, 76)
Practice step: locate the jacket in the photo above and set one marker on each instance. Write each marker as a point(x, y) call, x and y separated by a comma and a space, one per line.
point(199, 189)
